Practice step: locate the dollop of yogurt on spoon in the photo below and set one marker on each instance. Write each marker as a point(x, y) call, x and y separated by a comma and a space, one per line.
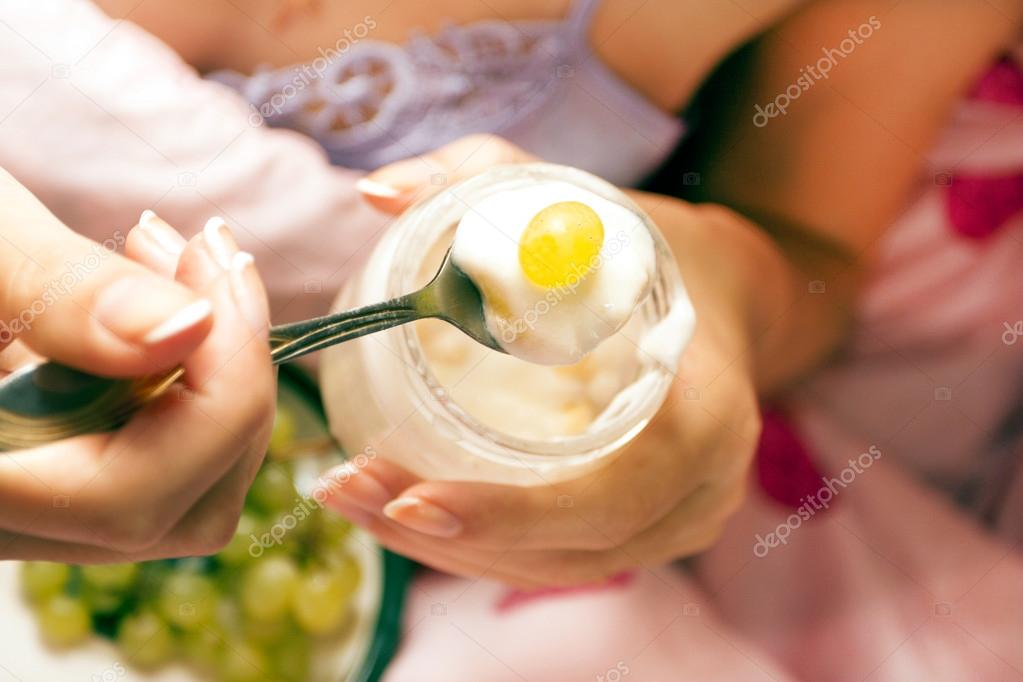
point(560, 268)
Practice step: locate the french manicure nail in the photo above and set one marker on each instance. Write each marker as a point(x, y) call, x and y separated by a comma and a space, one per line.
point(218, 240)
point(423, 517)
point(247, 290)
point(186, 318)
point(376, 189)
point(148, 309)
point(358, 487)
point(162, 234)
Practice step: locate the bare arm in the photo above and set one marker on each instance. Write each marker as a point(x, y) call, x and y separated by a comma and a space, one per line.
point(829, 175)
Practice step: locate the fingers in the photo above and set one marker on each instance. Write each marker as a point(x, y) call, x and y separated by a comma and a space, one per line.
point(155, 244)
point(120, 490)
point(396, 186)
point(601, 510)
point(223, 413)
point(81, 303)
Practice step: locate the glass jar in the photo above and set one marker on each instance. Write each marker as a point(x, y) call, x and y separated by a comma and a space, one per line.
point(381, 394)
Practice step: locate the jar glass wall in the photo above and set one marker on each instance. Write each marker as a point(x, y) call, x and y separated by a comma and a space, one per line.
point(385, 392)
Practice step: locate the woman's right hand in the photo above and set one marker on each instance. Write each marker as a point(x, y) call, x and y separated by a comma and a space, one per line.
point(171, 482)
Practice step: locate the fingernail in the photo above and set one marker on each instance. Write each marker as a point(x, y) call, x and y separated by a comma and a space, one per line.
point(186, 318)
point(350, 484)
point(377, 189)
point(219, 241)
point(148, 310)
point(423, 517)
point(248, 290)
point(162, 234)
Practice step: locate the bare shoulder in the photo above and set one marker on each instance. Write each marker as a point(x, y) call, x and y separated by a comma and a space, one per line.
point(666, 48)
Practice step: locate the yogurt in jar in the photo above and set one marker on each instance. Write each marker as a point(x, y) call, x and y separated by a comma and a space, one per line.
point(560, 268)
point(593, 336)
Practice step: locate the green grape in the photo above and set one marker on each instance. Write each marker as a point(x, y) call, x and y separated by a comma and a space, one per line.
point(187, 600)
point(292, 659)
point(203, 647)
point(110, 577)
point(240, 661)
point(64, 621)
point(145, 639)
point(321, 600)
point(333, 529)
point(266, 632)
point(236, 552)
point(42, 579)
point(283, 434)
point(273, 490)
point(101, 601)
point(267, 586)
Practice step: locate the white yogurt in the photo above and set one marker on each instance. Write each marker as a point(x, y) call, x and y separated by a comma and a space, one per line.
point(553, 326)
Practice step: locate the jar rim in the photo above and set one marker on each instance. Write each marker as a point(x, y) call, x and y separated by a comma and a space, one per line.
point(415, 240)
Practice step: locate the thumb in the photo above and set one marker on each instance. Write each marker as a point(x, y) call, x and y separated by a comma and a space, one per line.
point(396, 186)
point(78, 302)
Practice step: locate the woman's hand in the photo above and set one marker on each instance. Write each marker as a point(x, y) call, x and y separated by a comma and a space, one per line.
point(667, 495)
point(172, 481)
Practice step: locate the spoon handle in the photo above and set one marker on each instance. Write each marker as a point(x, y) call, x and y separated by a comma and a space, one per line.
point(48, 401)
point(290, 341)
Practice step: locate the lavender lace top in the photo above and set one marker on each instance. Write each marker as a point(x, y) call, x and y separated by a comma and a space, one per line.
point(537, 84)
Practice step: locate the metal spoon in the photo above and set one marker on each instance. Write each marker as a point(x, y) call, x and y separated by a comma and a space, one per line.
point(48, 401)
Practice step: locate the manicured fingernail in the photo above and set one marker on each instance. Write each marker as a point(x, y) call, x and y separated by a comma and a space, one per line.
point(377, 189)
point(423, 517)
point(184, 319)
point(148, 309)
point(247, 290)
point(161, 234)
point(219, 241)
point(348, 483)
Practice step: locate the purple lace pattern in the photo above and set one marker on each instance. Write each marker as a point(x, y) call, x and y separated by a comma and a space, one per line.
point(378, 102)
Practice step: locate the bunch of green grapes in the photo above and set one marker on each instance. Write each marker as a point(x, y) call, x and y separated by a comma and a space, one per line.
point(251, 612)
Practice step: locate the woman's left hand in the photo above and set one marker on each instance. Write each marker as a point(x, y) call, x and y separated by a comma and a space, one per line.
point(666, 495)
